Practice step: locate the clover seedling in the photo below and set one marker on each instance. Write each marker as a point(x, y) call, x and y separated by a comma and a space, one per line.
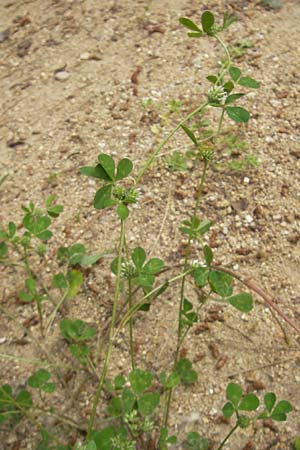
point(112, 192)
point(237, 403)
point(76, 333)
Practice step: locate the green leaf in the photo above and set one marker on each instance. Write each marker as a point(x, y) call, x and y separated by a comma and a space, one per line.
point(200, 276)
point(153, 266)
point(115, 408)
point(221, 283)
point(228, 19)
point(212, 79)
point(228, 410)
point(97, 172)
point(76, 253)
point(145, 280)
point(190, 134)
point(31, 285)
point(39, 381)
point(11, 229)
point(128, 399)
point(208, 255)
point(207, 20)
point(249, 82)
point(140, 380)
point(45, 235)
point(36, 224)
point(91, 446)
point(189, 24)
point(75, 279)
point(249, 403)
point(3, 249)
point(234, 393)
point(89, 260)
point(124, 168)
point(173, 380)
point(204, 226)
point(55, 210)
point(39, 378)
point(103, 197)
point(108, 164)
point(88, 171)
point(237, 114)
point(80, 352)
point(76, 330)
point(297, 443)
point(269, 401)
point(235, 73)
point(3, 235)
point(196, 442)
point(148, 402)
point(232, 98)
point(243, 302)
point(25, 296)
point(187, 305)
point(228, 86)
point(119, 382)
point(24, 399)
point(122, 211)
point(103, 438)
point(138, 257)
point(281, 410)
point(185, 371)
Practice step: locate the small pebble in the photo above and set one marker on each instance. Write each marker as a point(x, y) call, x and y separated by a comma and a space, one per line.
point(62, 76)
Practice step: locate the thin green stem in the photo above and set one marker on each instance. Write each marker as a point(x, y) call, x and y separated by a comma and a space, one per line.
point(228, 436)
point(111, 333)
point(220, 40)
point(129, 301)
point(137, 306)
point(188, 249)
point(220, 122)
point(39, 308)
point(131, 326)
point(56, 309)
point(180, 337)
point(163, 143)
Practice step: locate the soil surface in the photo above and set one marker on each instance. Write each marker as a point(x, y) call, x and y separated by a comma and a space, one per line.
point(76, 79)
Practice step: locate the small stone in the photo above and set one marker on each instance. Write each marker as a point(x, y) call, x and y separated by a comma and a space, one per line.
point(85, 56)
point(2, 340)
point(269, 140)
point(62, 75)
point(249, 218)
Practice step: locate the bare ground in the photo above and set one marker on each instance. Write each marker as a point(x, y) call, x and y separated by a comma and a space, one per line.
point(74, 76)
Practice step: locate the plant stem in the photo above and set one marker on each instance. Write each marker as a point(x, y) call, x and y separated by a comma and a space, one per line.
point(56, 309)
point(222, 43)
point(228, 436)
point(131, 326)
point(129, 301)
point(185, 267)
point(111, 333)
point(146, 299)
point(163, 143)
point(187, 255)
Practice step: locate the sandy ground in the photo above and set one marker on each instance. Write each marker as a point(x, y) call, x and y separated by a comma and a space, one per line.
point(75, 79)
